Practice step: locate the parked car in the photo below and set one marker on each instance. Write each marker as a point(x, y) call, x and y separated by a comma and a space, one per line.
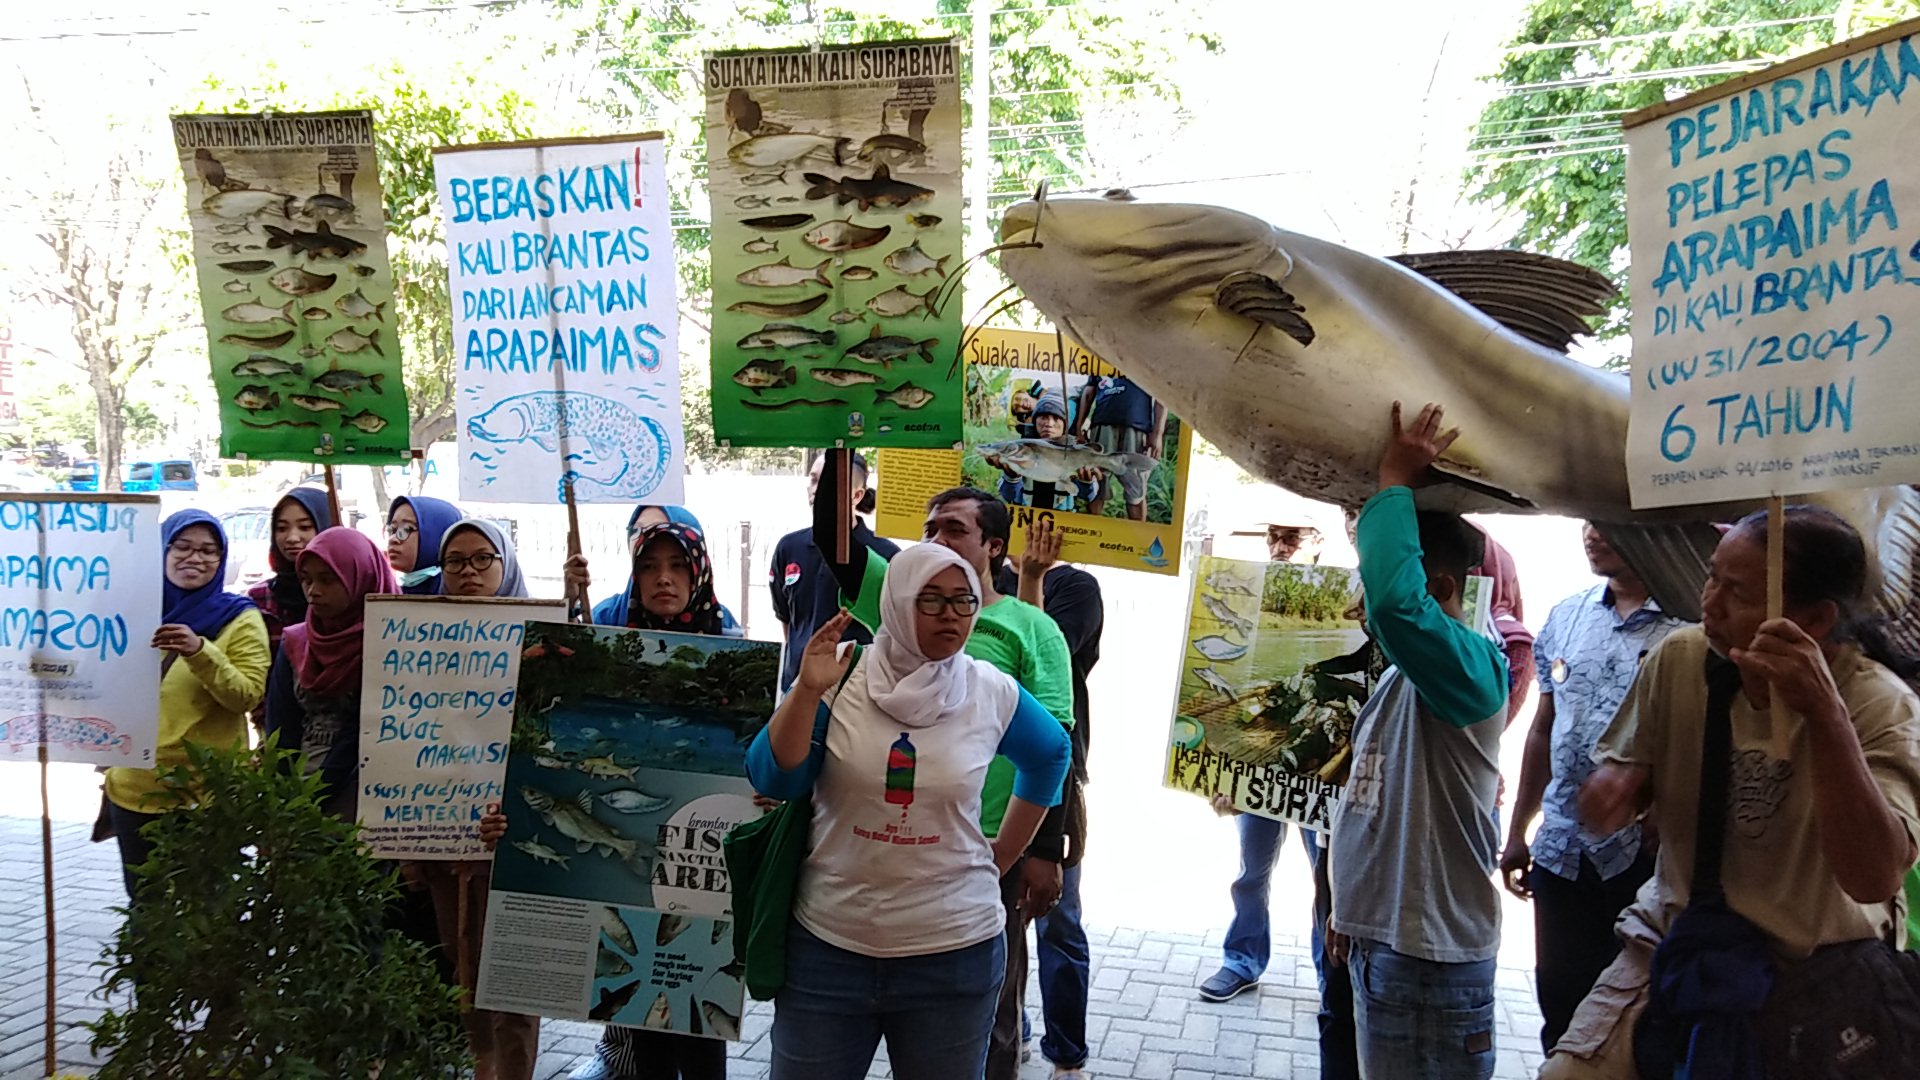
point(138, 476)
point(21, 478)
point(249, 538)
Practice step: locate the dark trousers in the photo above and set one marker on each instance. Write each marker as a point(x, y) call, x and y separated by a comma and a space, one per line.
point(1573, 939)
point(1339, 1053)
point(1064, 960)
point(1003, 1051)
point(134, 848)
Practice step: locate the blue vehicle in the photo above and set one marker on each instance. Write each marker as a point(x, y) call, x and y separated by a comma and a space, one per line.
point(139, 476)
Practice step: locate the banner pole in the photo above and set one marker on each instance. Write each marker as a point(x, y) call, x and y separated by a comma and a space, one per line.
point(333, 495)
point(46, 885)
point(577, 608)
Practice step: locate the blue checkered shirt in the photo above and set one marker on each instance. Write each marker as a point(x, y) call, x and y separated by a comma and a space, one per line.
point(1587, 656)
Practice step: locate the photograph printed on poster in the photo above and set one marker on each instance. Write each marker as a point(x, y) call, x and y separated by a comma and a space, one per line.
point(666, 972)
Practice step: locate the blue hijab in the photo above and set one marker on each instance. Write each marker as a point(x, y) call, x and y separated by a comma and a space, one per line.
point(437, 517)
point(208, 609)
point(613, 610)
point(512, 583)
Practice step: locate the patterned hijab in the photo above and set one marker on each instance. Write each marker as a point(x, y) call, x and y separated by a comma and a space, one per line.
point(702, 615)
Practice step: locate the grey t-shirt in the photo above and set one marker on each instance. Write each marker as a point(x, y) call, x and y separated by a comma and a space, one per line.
point(1415, 839)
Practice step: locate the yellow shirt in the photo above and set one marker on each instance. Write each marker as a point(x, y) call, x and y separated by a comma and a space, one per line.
point(204, 698)
point(1773, 868)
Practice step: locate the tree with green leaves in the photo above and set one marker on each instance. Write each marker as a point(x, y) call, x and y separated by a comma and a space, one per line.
point(1548, 147)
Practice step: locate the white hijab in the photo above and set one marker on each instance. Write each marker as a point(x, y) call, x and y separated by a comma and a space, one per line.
point(913, 690)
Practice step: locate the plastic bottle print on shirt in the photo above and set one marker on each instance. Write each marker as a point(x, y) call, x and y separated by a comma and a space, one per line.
point(903, 761)
point(900, 761)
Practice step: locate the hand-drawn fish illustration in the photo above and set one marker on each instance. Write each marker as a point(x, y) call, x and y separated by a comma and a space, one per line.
point(780, 311)
point(1215, 647)
point(898, 144)
point(354, 305)
point(719, 1021)
point(575, 821)
point(341, 381)
point(266, 366)
point(752, 202)
point(897, 302)
point(281, 424)
point(608, 964)
point(843, 376)
point(922, 221)
point(237, 286)
point(778, 222)
point(1227, 584)
point(1225, 615)
point(366, 420)
point(846, 315)
point(783, 274)
point(364, 271)
point(540, 852)
point(323, 241)
point(859, 273)
point(660, 1015)
point(315, 314)
point(906, 395)
point(256, 398)
point(670, 927)
point(212, 173)
point(1214, 682)
point(764, 374)
point(763, 179)
point(297, 282)
point(233, 228)
point(259, 313)
point(791, 403)
point(785, 336)
point(352, 341)
point(884, 349)
point(616, 929)
point(259, 344)
point(841, 234)
point(326, 206)
point(784, 199)
point(612, 1001)
point(308, 352)
point(247, 266)
point(225, 247)
point(1047, 462)
point(609, 449)
point(634, 801)
point(773, 151)
point(314, 404)
point(246, 202)
point(761, 246)
point(910, 261)
point(880, 190)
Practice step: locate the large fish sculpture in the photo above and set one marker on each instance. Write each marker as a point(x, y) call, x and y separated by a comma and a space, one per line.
point(1287, 352)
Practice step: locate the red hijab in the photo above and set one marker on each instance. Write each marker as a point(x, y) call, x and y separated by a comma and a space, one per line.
point(325, 653)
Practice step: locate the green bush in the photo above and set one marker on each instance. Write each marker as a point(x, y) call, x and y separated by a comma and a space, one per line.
point(259, 949)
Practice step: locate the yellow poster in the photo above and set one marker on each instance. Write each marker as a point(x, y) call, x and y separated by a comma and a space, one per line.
point(1113, 458)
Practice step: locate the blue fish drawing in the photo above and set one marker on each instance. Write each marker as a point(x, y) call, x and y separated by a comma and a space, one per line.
point(613, 452)
point(1215, 647)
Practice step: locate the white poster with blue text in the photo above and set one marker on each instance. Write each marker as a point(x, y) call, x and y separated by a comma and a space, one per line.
point(437, 693)
point(565, 320)
point(1775, 235)
point(79, 602)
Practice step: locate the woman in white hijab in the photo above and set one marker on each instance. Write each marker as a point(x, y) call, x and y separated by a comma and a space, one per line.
point(898, 923)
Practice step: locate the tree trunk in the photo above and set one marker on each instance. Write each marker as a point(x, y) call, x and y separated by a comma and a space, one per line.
point(110, 428)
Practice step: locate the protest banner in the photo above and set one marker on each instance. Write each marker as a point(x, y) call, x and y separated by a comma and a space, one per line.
point(1112, 443)
point(561, 277)
point(438, 695)
point(610, 896)
point(836, 183)
point(290, 248)
point(1253, 719)
point(80, 575)
point(1768, 259)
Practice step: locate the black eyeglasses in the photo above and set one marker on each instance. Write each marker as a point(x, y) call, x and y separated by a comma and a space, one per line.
point(481, 563)
point(184, 550)
point(933, 603)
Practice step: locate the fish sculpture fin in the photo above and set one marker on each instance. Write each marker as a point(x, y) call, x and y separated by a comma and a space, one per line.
point(1671, 559)
point(1543, 299)
point(1263, 300)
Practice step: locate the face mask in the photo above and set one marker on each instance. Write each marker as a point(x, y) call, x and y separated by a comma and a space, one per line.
point(414, 577)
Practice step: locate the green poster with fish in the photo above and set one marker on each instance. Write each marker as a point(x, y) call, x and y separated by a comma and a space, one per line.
point(1272, 677)
point(625, 767)
point(835, 177)
point(290, 247)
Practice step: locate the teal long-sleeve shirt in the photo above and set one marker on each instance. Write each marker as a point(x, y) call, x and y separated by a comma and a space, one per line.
point(1461, 675)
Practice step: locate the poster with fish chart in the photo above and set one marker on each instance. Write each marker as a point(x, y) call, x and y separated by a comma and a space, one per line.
point(290, 248)
point(1032, 419)
point(80, 580)
point(835, 176)
point(565, 319)
point(1251, 720)
point(1774, 224)
point(438, 691)
point(625, 768)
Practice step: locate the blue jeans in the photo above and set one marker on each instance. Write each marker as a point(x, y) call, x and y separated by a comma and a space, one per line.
point(1063, 976)
point(935, 1011)
point(1249, 942)
point(1421, 1018)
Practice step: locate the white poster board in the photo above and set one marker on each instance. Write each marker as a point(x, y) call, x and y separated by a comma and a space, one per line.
point(565, 320)
point(436, 709)
point(1775, 236)
point(80, 583)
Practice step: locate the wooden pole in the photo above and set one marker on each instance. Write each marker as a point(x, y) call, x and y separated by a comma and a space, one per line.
point(746, 578)
point(577, 608)
point(1776, 583)
point(46, 885)
point(333, 495)
point(840, 467)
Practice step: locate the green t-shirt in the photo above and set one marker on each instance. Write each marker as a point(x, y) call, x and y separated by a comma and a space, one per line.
point(1015, 637)
point(1913, 909)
